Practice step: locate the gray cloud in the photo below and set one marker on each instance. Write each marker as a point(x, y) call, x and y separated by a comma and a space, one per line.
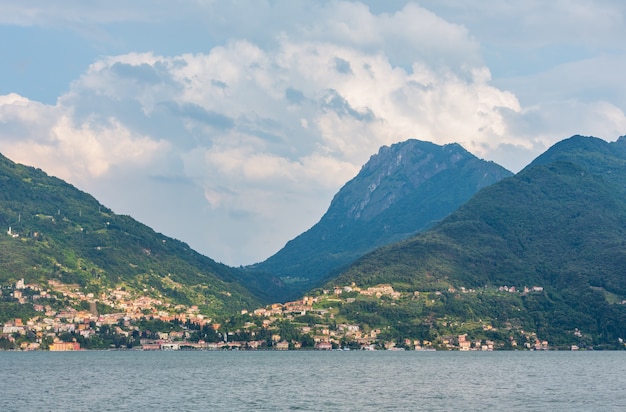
point(218, 84)
point(142, 73)
point(294, 96)
point(335, 102)
point(235, 132)
point(342, 66)
point(198, 113)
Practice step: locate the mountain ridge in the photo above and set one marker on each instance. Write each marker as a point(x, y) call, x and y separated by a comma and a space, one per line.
point(535, 256)
point(55, 231)
point(404, 188)
point(559, 224)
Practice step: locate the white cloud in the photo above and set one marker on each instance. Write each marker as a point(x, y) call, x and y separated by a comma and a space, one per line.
point(47, 136)
point(537, 23)
point(77, 13)
point(246, 142)
point(586, 80)
point(239, 111)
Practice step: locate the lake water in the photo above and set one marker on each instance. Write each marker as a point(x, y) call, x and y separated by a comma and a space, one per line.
point(312, 381)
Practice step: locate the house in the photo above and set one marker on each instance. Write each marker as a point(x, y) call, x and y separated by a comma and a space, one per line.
point(13, 327)
point(282, 345)
point(64, 346)
point(151, 346)
point(323, 346)
point(170, 346)
point(255, 344)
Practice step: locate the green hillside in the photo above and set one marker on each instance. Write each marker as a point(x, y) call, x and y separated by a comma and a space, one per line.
point(559, 225)
point(51, 230)
point(405, 188)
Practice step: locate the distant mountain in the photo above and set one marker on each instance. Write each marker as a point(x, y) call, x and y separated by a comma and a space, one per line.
point(559, 225)
point(404, 189)
point(53, 231)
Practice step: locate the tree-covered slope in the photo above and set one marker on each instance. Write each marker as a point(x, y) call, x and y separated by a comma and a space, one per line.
point(403, 189)
point(54, 231)
point(560, 224)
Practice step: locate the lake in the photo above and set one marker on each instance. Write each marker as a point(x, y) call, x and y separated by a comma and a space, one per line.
point(312, 381)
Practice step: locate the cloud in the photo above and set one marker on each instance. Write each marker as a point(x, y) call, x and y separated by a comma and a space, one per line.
point(267, 134)
point(240, 146)
point(64, 12)
point(535, 23)
point(589, 79)
point(584, 97)
point(195, 112)
point(48, 137)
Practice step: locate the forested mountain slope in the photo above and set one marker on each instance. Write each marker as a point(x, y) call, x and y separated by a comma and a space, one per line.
point(54, 231)
point(560, 225)
point(404, 189)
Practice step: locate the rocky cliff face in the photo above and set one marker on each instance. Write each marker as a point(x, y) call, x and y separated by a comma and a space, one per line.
point(397, 171)
point(403, 189)
point(559, 224)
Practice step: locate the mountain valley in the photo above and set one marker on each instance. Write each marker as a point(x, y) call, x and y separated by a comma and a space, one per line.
point(428, 247)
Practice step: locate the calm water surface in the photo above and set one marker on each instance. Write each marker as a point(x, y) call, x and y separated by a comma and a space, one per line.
point(312, 381)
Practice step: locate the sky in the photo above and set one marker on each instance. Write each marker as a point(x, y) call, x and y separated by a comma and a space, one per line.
point(230, 125)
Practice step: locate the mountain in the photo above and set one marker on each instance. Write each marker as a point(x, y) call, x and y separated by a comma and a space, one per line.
point(558, 227)
point(56, 232)
point(404, 189)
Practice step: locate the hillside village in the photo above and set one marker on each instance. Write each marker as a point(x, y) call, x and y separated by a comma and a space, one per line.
point(503, 271)
point(64, 318)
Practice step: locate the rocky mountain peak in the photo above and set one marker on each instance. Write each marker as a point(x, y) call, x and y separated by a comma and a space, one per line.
point(403, 189)
point(394, 172)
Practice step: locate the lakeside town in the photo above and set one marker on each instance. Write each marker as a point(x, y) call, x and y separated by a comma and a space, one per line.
point(64, 318)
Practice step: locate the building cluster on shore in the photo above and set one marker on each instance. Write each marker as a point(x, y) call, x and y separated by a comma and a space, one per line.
point(66, 317)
